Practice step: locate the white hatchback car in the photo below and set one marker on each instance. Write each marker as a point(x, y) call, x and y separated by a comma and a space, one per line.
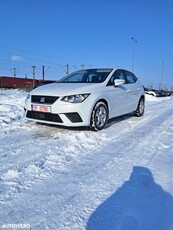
point(87, 98)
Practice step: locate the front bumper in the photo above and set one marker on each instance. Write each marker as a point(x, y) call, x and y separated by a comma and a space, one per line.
point(62, 113)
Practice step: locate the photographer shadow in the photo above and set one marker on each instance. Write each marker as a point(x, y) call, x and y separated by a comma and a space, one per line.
point(140, 204)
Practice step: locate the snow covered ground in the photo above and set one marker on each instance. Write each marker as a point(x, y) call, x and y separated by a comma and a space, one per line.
point(56, 178)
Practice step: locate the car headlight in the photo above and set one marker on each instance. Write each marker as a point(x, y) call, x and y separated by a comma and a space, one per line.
point(75, 98)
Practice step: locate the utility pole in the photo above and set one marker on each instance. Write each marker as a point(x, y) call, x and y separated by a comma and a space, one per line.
point(43, 72)
point(82, 66)
point(33, 74)
point(67, 69)
point(161, 79)
point(133, 56)
point(14, 72)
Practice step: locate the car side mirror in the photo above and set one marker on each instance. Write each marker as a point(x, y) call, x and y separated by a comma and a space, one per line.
point(118, 82)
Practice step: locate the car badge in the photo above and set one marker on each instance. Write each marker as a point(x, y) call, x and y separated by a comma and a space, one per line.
point(42, 99)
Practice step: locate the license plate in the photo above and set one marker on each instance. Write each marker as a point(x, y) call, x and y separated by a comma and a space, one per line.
point(41, 108)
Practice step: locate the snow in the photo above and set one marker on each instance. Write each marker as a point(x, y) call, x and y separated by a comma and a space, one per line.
point(57, 178)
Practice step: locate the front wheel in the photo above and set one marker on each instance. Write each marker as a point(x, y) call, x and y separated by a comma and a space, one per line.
point(99, 116)
point(141, 107)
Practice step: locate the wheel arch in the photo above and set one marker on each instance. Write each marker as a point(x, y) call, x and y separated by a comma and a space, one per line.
point(92, 117)
point(137, 111)
point(142, 97)
point(104, 101)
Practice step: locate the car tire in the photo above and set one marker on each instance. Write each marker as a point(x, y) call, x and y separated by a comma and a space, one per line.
point(140, 108)
point(99, 116)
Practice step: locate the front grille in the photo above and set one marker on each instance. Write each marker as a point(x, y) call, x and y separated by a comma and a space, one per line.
point(73, 117)
point(43, 99)
point(44, 116)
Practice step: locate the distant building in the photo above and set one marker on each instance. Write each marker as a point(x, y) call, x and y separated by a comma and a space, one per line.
point(21, 83)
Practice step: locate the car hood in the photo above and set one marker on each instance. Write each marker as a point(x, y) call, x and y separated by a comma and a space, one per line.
point(62, 89)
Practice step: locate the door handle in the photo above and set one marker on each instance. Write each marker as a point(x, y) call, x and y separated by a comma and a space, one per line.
point(128, 91)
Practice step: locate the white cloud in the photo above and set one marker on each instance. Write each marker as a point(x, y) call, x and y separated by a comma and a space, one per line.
point(16, 58)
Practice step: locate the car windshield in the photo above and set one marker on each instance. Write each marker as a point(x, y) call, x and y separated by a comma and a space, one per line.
point(86, 76)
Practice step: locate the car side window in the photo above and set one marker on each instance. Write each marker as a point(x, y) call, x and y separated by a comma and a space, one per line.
point(117, 75)
point(130, 77)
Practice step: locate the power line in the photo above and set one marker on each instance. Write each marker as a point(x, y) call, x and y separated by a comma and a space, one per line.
point(28, 58)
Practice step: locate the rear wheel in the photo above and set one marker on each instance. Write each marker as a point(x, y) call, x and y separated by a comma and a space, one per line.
point(99, 116)
point(141, 107)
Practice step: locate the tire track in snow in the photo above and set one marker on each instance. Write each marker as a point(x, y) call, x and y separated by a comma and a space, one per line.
point(94, 173)
point(33, 165)
point(100, 175)
point(40, 165)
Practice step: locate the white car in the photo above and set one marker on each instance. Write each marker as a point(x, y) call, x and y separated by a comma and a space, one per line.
point(87, 98)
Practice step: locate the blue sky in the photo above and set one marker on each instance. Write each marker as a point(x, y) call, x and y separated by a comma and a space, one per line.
point(91, 32)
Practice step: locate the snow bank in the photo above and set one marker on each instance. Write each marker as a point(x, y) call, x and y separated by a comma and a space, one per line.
point(152, 98)
point(68, 179)
point(12, 102)
point(11, 107)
